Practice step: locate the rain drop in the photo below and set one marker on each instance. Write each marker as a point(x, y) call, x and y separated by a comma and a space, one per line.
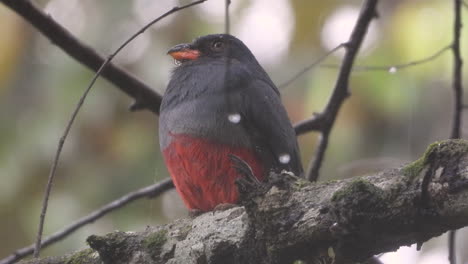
point(284, 158)
point(234, 118)
point(392, 70)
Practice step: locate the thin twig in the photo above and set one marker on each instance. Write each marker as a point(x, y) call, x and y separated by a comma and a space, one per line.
point(395, 67)
point(356, 68)
point(311, 66)
point(146, 192)
point(316, 162)
point(457, 72)
point(62, 38)
point(226, 17)
point(465, 4)
point(341, 90)
point(316, 123)
point(452, 247)
point(458, 100)
point(55, 163)
point(75, 113)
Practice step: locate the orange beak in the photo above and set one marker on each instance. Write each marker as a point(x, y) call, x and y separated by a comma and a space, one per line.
point(183, 52)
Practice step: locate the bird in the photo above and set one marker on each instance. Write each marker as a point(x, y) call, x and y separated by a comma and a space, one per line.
point(221, 103)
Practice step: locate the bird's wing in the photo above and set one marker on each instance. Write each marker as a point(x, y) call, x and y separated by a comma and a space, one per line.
point(266, 117)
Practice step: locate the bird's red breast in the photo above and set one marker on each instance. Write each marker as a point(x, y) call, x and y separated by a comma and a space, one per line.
point(203, 173)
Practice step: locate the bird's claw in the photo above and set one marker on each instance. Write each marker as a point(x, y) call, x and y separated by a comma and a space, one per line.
point(245, 170)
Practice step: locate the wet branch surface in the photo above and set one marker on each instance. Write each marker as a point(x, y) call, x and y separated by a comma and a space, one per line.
point(290, 219)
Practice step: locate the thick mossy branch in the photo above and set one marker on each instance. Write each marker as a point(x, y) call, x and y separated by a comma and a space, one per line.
point(290, 219)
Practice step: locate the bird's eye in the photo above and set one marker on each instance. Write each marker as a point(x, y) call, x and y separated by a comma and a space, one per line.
point(217, 45)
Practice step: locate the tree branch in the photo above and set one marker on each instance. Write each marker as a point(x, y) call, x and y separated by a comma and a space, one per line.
point(316, 123)
point(294, 219)
point(227, 24)
point(341, 90)
point(395, 67)
point(457, 72)
point(458, 99)
point(125, 81)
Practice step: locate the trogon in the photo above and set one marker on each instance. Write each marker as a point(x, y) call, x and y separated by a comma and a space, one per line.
point(220, 102)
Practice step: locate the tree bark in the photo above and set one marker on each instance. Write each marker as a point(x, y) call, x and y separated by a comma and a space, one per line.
point(290, 219)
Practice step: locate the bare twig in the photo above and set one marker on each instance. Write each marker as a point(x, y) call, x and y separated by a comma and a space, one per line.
point(395, 67)
point(75, 113)
point(309, 67)
point(148, 192)
point(56, 160)
point(458, 100)
point(390, 68)
point(84, 54)
point(316, 123)
point(317, 161)
point(465, 4)
point(341, 90)
point(226, 16)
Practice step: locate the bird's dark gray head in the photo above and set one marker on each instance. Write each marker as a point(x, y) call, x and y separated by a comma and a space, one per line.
point(212, 47)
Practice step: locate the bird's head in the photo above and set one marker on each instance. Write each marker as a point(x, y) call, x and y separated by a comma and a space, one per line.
point(212, 47)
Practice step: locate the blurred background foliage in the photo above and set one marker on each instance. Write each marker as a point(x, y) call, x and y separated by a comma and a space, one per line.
point(390, 118)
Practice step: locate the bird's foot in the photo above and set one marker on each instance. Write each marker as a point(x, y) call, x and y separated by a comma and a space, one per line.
point(248, 185)
point(245, 170)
